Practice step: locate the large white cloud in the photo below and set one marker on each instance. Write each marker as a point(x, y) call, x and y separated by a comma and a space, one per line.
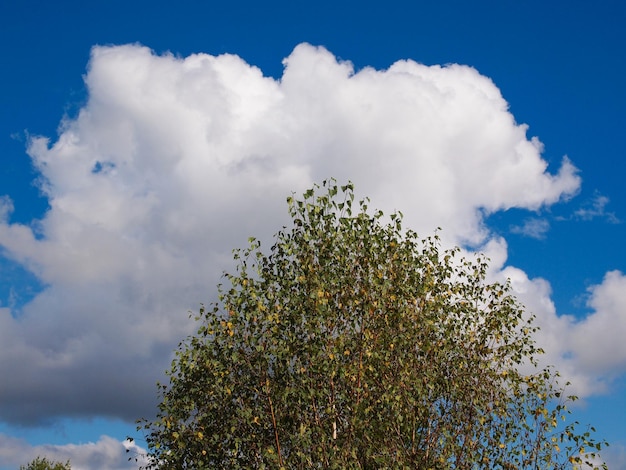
point(175, 161)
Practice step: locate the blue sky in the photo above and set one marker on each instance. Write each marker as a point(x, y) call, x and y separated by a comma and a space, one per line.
point(160, 161)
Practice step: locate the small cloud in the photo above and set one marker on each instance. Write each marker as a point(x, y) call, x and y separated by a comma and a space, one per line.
point(6, 208)
point(615, 456)
point(533, 228)
point(17, 136)
point(107, 453)
point(596, 208)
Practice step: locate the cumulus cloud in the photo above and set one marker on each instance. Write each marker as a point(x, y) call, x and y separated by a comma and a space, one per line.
point(598, 341)
point(589, 353)
point(174, 161)
point(105, 454)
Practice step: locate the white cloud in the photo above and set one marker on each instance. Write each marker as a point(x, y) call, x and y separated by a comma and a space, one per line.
point(105, 454)
point(615, 456)
point(173, 162)
point(589, 353)
point(598, 340)
point(533, 228)
point(6, 208)
point(596, 208)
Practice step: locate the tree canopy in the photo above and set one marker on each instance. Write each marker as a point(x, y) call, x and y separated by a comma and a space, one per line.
point(354, 343)
point(42, 463)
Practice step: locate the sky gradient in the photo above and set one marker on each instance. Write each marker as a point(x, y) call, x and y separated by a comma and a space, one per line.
point(140, 143)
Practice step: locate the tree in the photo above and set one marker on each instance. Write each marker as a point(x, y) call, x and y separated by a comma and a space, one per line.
point(354, 344)
point(42, 463)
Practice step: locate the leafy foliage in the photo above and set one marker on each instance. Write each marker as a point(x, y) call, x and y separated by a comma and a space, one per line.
point(42, 463)
point(355, 344)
